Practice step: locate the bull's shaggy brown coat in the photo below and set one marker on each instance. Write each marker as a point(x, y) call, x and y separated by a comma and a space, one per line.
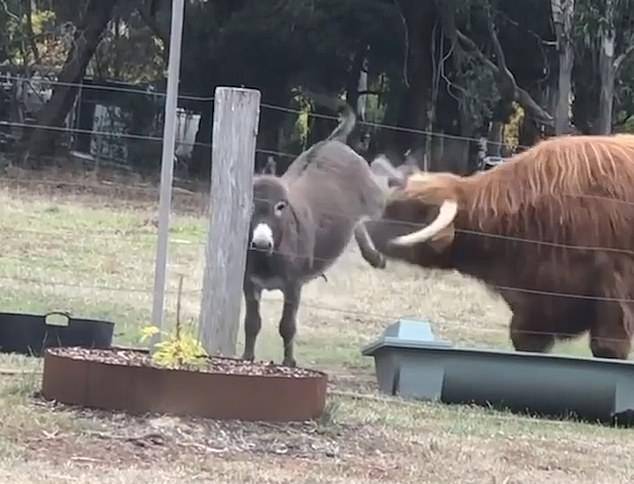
point(573, 194)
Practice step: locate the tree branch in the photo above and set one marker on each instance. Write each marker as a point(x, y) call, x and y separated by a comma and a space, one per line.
point(505, 79)
point(406, 42)
point(370, 92)
point(31, 34)
point(148, 15)
point(447, 9)
point(497, 47)
point(9, 13)
point(618, 63)
point(626, 118)
point(469, 46)
point(533, 109)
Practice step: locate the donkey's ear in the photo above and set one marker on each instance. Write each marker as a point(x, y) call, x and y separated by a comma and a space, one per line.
point(396, 182)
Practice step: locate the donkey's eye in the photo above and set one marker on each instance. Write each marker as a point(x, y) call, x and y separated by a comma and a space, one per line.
point(279, 208)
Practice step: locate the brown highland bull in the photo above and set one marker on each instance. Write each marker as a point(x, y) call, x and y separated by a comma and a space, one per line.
point(574, 194)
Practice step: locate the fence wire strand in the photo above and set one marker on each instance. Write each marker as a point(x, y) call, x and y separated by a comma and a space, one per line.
point(102, 185)
point(66, 129)
point(391, 127)
point(415, 226)
point(149, 92)
point(144, 91)
point(308, 304)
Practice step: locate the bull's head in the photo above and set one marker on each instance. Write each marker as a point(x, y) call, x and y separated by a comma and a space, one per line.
point(417, 224)
point(270, 210)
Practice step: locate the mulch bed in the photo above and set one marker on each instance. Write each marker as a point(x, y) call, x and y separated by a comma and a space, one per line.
point(216, 365)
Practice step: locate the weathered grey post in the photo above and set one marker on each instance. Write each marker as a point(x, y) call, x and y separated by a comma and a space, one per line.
point(236, 117)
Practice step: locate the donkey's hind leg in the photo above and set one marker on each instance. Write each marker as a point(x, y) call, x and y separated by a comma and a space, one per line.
point(366, 246)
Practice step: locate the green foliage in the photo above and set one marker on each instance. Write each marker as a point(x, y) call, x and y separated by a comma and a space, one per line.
point(43, 21)
point(375, 109)
point(180, 349)
point(592, 20)
point(478, 92)
point(281, 45)
point(129, 51)
point(302, 125)
point(590, 23)
point(512, 128)
point(17, 44)
point(627, 126)
point(176, 350)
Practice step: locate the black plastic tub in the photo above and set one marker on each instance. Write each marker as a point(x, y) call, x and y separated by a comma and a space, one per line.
point(31, 334)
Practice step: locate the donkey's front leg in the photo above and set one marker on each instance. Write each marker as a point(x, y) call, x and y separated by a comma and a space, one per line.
point(252, 319)
point(288, 323)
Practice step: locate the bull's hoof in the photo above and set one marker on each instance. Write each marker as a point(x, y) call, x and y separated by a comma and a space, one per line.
point(248, 356)
point(290, 362)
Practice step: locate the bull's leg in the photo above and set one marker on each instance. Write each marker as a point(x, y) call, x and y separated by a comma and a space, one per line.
point(366, 246)
point(525, 338)
point(252, 319)
point(609, 337)
point(288, 323)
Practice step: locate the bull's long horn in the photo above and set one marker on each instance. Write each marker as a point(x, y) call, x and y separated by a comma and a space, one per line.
point(446, 215)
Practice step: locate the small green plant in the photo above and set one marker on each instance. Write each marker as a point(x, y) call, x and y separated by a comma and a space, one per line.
point(180, 349)
point(175, 350)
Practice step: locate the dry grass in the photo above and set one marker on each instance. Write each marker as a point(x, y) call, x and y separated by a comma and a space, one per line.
point(82, 241)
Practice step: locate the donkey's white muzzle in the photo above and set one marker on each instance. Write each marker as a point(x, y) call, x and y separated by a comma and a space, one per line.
point(262, 238)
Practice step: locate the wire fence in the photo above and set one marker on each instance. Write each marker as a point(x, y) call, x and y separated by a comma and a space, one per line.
point(104, 236)
point(150, 92)
point(31, 264)
point(390, 127)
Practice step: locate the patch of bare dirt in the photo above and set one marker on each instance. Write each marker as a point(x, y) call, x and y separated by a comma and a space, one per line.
point(353, 380)
point(118, 440)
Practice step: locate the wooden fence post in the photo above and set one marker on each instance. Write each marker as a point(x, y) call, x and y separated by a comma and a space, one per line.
point(236, 117)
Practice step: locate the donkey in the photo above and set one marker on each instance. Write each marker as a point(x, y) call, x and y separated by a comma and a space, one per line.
point(302, 222)
point(390, 176)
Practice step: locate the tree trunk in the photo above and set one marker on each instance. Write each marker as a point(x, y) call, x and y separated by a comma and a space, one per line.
point(354, 76)
point(95, 19)
point(271, 122)
point(354, 85)
point(418, 19)
point(362, 101)
point(607, 71)
point(495, 138)
point(200, 167)
point(68, 10)
point(606, 98)
point(563, 15)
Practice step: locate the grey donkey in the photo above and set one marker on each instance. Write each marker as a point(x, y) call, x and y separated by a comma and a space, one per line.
point(302, 222)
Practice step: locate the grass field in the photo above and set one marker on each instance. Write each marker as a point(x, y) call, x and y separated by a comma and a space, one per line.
point(92, 252)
